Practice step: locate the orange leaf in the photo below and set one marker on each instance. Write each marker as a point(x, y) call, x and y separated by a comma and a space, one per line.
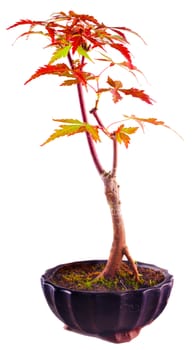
point(116, 97)
point(138, 94)
point(69, 82)
point(153, 121)
point(122, 134)
point(111, 82)
point(124, 138)
point(117, 84)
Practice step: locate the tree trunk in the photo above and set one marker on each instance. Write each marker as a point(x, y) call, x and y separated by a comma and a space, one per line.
point(119, 247)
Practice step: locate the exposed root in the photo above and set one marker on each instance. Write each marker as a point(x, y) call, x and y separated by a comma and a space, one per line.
point(109, 271)
point(132, 263)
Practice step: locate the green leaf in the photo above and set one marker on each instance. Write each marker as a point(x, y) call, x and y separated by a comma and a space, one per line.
point(130, 130)
point(59, 53)
point(72, 127)
point(84, 53)
point(68, 121)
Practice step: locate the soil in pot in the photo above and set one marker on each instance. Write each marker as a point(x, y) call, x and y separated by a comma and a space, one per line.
point(80, 276)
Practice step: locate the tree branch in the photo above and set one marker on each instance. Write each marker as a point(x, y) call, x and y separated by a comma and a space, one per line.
point(112, 136)
point(115, 156)
point(85, 120)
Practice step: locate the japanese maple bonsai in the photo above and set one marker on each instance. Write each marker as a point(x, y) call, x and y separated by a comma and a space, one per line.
point(117, 295)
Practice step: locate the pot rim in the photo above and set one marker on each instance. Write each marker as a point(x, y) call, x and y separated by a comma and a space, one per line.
point(49, 272)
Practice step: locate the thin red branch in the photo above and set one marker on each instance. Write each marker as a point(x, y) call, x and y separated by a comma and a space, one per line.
point(115, 150)
point(85, 120)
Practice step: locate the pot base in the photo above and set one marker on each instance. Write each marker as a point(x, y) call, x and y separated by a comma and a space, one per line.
point(117, 338)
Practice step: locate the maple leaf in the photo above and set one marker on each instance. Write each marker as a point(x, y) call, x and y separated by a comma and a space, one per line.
point(116, 97)
point(72, 127)
point(83, 17)
point(122, 134)
point(120, 33)
point(31, 32)
point(69, 82)
point(105, 58)
point(59, 53)
point(130, 130)
point(80, 76)
point(131, 31)
point(138, 94)
point(153, 121)
point(51, 33)
point(58, 69)
point(115, 88)
point(77, 77)
point(140, 121)
point(76, 41)
point(125, 52)
point(24, 21)
point(83, 53)
point(117, 84)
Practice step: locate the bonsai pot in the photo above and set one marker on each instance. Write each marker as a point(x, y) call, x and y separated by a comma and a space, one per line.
point(106, 313)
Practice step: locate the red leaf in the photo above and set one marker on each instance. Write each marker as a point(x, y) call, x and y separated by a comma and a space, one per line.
point(25, 21)
point(115, 29)
point(51, 33)
point(76, 41)
point(58, 69)
point(131, 31)
point(81, 76)
point(125, 52)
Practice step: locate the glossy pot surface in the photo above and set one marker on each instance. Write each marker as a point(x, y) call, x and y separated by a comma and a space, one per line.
point(106, 313)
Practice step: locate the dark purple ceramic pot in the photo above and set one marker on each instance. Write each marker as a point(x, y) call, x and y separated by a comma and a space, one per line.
point(107, 313)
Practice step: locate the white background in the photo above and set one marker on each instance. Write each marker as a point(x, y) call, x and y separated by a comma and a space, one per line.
point(53, 208)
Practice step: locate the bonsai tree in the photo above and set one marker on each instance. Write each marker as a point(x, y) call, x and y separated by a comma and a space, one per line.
point(84, 52)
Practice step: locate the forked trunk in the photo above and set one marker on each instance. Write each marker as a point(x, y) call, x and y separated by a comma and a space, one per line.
point(119, 247)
